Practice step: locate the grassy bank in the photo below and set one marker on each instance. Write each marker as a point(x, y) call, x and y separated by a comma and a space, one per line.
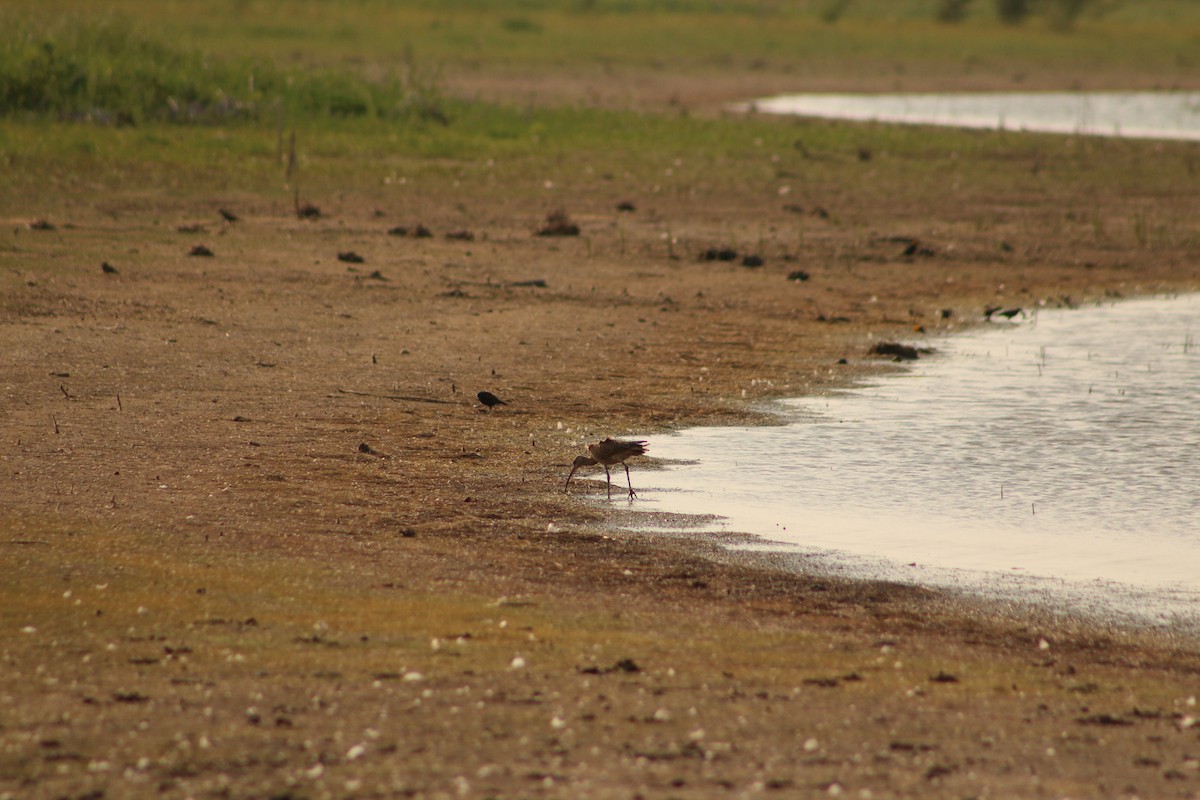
point(269, 96)
point(267, 59)
point(564, 34)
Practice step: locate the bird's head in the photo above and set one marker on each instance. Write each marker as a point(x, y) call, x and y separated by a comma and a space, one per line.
point(580, 461)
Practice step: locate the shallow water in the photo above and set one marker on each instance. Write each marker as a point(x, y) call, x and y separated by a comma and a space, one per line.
point(1154, 115)
point(1058, 456)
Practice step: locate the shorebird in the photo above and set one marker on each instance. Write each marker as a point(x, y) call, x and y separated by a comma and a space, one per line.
point(608, 453)
point(490, 400)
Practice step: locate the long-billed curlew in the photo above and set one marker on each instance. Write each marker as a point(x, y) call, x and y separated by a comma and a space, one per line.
point(608, 453)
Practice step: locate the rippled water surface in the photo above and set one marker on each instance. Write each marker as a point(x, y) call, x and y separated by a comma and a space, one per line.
point(1158, 115)
point(1059, 455)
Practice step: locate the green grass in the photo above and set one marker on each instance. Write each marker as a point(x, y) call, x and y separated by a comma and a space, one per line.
point(287, 63)
point(107, 70)
point(91, 101)
point(219, 43)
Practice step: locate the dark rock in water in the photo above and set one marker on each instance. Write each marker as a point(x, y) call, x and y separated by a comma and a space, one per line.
point(901, 352)
point(999, 311)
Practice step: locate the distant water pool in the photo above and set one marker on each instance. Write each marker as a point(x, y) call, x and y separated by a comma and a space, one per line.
point(1153, 115)
point(1056, 459)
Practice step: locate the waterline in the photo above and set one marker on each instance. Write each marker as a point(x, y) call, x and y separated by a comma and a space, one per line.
point(1054, 457)
point(1149, 115)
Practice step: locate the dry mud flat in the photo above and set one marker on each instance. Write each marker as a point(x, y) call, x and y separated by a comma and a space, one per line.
point(260, 539)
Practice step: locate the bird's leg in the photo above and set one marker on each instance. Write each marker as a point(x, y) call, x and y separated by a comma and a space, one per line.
point(608, 477)
point(629, 480)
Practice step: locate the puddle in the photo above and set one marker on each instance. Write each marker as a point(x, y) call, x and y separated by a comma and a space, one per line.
point(1153, 115)
point(1055, 458)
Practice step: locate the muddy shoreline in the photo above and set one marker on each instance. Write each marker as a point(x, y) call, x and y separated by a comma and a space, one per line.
point(262, 538)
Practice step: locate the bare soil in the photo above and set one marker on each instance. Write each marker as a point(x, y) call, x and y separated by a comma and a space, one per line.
point(261, 540)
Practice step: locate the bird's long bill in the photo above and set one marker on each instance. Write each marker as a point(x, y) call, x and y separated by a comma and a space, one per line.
point(580, 461)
